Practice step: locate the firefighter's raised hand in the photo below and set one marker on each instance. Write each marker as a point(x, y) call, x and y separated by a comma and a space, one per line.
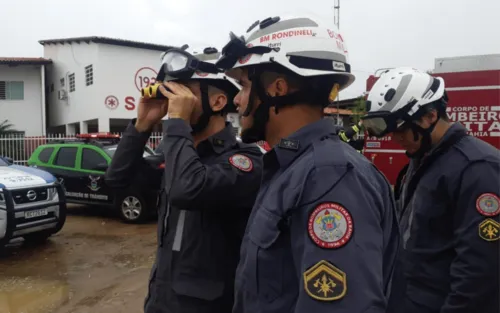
point(181, 101)
point(150, 111)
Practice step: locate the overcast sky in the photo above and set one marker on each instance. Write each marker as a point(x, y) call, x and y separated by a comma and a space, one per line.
point(379, 33)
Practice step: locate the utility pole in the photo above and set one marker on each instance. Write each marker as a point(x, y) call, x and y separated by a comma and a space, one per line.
point(336, 21)
point(336, 13)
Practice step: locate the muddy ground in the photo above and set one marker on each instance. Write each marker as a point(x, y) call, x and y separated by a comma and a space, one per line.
point(95, 263)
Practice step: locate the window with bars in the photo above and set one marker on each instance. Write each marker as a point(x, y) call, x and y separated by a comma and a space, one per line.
point(71, 82)
point(89, 75)
point(11, 90)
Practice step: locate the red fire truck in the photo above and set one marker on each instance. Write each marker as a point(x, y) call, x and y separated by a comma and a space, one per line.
point(473, 87)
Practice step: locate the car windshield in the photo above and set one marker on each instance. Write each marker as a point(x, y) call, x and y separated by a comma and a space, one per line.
point(3, 163)
point(110, 150)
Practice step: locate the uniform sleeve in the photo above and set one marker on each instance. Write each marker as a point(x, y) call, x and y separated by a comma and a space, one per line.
point(347, 135)
point(128, 165)
point(475, 270)
point(351, 131)
point(193, 185)
point(339, 240)
point(343, 136)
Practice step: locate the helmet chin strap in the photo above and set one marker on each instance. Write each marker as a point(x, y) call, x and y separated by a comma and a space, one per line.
point(207, 111)
point(257, 131)
point(426, 143)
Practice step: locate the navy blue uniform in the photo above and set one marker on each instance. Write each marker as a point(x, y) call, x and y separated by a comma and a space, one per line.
point(207, 195)
point(323, 235)
point(450, 227)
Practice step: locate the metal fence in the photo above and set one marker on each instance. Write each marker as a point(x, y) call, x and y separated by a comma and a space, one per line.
point(20, 147)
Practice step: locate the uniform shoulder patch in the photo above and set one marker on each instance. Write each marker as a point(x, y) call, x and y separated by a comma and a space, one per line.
point(489, 230)
point(241, 162)
point(330, 225)
point(325, 282)
point(488, 204)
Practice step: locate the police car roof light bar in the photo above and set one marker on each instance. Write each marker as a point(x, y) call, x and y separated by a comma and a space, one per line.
point(98, 136)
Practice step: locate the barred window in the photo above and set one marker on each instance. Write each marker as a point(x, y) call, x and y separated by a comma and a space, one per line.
point(71, 82)
point(89, 75)
point(11, 90)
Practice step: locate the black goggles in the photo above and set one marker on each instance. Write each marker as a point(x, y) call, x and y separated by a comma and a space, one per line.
point(179, 64)
point(235, 49)
point(383, 123)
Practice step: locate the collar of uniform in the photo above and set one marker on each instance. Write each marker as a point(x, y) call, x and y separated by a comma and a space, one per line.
point(455, 129)
point(221, 141)
point(289, 148)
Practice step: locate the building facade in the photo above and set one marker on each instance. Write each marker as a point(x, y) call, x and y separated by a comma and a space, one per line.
point(94, 82)
point(22, 94)
point(84, 84)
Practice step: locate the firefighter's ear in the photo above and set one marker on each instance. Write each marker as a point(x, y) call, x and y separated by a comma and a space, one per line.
point(429, 118)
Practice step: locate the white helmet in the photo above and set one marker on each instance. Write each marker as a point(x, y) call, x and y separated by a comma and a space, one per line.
point(299, 44)
point(179, 60)
point(181, 64)
point(399, 96)
point(178, 64)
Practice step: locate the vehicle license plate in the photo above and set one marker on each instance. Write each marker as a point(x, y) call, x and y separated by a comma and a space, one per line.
point(36, 213)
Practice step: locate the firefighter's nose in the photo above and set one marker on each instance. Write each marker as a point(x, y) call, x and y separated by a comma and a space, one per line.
point(237, 100)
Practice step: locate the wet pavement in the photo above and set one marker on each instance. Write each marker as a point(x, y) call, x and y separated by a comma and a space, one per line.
point(95, 263)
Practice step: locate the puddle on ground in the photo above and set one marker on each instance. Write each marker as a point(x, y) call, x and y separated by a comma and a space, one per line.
point(28, 295)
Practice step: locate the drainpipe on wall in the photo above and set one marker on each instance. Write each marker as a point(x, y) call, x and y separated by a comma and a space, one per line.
point(44, 103)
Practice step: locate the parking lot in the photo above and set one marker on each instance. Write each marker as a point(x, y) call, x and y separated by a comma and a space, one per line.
point(95, 263)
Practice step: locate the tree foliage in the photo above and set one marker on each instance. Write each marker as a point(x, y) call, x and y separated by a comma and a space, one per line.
point(359, 109)
point(7, 128)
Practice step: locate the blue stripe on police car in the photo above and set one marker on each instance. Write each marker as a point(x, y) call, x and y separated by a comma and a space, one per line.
point(49, 178)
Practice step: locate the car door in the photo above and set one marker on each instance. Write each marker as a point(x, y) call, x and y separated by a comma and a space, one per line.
point(63, 167)
point(93, 162)
point(42, 159)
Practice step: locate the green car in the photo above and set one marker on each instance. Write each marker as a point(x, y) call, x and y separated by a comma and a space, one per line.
point(80, 165)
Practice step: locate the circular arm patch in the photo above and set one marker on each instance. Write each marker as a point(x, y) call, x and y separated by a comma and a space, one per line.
point(330, 225)
point(488, 204)
point(241, 162)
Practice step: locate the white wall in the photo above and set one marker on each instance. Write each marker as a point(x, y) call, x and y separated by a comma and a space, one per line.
point(26, 115)
point(122, 68)
point(467, 63)
point(115, 71)
point(68, 59)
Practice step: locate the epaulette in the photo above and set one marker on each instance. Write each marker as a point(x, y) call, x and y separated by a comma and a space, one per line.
point(330, 163)
point(474, 149)
point(329, 151)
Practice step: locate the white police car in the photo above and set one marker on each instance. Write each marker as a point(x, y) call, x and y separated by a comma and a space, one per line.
point(32, 203)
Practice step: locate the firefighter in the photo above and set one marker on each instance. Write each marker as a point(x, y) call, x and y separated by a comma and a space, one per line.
point(350, 136)
point(350, 133)
point(323, 234)
point(209, 185)
point(449, 198)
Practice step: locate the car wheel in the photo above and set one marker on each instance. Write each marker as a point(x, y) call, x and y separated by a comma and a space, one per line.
point(37, 238)
point(132, 208)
